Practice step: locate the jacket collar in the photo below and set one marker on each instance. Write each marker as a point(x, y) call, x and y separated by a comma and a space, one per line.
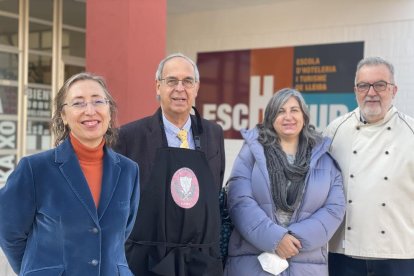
point(390, 113)
point(71, 170)
point(251, 139)
point(156, 134)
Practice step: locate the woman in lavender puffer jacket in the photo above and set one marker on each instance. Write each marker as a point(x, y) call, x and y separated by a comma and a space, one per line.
point(285, 193)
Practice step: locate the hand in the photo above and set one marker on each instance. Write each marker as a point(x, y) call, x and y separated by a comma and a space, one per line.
point(288, 247)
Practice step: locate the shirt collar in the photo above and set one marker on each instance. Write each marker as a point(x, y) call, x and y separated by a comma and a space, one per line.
point(172, 129)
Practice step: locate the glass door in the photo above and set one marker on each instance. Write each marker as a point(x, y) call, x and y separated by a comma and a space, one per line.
point(9, 95)
point(42, 42)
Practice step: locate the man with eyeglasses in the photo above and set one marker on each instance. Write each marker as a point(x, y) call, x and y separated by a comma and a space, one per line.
point(374, 146)
point(181, 160)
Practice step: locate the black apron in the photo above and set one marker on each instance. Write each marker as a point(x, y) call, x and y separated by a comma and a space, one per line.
point(179, 214)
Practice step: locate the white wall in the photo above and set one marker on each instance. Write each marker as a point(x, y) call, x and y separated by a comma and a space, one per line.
point(386, 27)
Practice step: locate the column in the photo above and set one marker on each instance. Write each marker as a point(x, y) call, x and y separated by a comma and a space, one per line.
point(125, 41)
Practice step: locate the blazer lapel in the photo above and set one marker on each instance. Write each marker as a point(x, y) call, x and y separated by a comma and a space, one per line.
point(110, 178)
point(204, 142)
point(155, 135)
point(72, 171)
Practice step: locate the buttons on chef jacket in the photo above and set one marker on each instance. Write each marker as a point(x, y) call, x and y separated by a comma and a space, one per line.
point(94, 262)
point(387, 152)
point(354, 152)
point(349, 201)
point(389, 128)
point(383, 205)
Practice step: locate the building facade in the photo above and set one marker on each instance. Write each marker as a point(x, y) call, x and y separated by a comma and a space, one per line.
point(41, 43)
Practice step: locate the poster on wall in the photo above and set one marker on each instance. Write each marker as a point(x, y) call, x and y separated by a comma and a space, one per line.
point(237, 85)
point(38, 102)
point(39, 112)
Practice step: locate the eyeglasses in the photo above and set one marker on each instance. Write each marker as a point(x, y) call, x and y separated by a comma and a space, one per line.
point(173, 82)
point(378, 86)
point(97, 103)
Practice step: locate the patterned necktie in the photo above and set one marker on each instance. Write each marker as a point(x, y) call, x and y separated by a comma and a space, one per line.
point(182, 134)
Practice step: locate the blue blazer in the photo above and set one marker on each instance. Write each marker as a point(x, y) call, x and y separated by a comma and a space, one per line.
point(49, 224)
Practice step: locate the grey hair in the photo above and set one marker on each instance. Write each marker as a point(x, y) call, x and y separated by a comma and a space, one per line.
point(375, 61)
point(61, 130)
point(267, 133)
point(158, 74)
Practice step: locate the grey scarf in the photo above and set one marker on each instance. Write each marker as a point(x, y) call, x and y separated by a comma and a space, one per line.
point(287, 197)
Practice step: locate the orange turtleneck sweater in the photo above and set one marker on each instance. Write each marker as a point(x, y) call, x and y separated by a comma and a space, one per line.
point(91, 163)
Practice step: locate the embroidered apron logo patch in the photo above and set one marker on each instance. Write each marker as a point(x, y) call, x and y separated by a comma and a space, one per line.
point(184, 188)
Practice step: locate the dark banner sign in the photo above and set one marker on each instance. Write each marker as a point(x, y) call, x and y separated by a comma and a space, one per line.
point(236, 85)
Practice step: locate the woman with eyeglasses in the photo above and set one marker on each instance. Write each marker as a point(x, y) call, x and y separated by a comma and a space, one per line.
point(69, 210)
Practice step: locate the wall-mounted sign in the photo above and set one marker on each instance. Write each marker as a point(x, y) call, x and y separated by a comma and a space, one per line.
point(237, 85)
point(38, 102)
point(38, 110)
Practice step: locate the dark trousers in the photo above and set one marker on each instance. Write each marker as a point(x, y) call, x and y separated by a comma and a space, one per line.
point(341, 265)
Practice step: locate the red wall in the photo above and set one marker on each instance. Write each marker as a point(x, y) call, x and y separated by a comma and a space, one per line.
point(125, 41)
